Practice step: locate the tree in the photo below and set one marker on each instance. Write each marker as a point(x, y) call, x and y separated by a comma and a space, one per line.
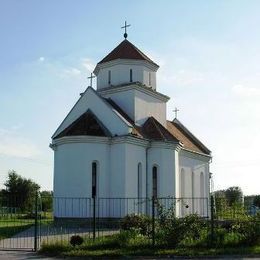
point(234, 196)
point(20, 192)
point(46, 200)
point(256, 201)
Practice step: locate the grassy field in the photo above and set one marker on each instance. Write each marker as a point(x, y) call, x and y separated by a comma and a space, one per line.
point(13, 224)
point(63, 250)
point(10, 227)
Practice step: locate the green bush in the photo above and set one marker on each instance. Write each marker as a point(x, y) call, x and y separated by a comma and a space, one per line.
point(140, 223)
point(171, 231)
point(248, 230)
point(76, 240)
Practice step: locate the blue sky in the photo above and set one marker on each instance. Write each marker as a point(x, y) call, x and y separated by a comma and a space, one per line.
point(209, 57)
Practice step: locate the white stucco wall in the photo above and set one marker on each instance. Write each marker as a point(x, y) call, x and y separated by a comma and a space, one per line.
point(146, 106)
point(139, 105)
point(164, 159)
point(126, 100)
point(73, 176)
point(120, 74)
point(192, 165)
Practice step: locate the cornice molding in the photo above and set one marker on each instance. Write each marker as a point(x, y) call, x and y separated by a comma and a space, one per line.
point(80, 139)
point(195, 155)
point(165, 145)
point(133, 86)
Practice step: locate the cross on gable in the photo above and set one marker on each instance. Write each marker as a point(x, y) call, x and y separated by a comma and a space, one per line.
point(125, 26)
point(176, 111)
point(91, 77)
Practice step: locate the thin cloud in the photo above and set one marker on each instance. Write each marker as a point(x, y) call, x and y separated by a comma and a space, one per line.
point(88, 64)
point(71, 72)
point(41, 59)
point(14, 145)
point(244, 91)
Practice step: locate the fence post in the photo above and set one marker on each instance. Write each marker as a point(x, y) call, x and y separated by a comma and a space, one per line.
point(94, 217)
point(153, 221)
point(36, 223)
point(212, 219)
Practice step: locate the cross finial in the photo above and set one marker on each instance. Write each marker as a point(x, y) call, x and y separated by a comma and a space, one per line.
point(176, 111)
point(91, 77)
point(125, 26)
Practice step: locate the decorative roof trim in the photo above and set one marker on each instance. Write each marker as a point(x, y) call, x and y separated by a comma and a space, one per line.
point(136, 86)
point(111, 63)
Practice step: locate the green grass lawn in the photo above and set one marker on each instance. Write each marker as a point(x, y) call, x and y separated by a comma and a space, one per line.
point(69, 251)
point(10, 227)
point(13, 224)
point(123, 245)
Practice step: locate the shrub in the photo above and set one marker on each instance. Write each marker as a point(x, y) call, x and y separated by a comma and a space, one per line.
point(172, 231)
point(140, 223)
point(76, 240)
point(248, 230)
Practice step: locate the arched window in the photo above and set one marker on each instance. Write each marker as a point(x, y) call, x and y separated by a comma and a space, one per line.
point(109, 77)
point(131, 75)
point(139, 181)
point(155, 182)
point(94, 179)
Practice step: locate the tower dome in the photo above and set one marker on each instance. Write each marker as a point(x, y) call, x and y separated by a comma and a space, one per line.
point(126, 64)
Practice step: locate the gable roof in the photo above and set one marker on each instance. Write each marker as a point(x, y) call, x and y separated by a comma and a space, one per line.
point(80, 108)
point(126, 50)
point(152, 129)
point(189, 141)
point(86, 124)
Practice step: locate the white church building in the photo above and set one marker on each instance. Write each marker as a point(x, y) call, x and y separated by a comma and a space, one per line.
point(116, 143)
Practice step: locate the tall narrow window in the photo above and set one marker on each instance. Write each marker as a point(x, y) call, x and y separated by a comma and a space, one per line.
point(139, 187)
point(201, 185)
point(131, 75)
point(94, 179)
point(155, 182)
point(202, 194)
point(139, 181)
point(109, 77)
point(182, 183)
point(149, 79)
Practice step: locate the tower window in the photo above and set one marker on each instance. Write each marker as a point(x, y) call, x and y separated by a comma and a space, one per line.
point(94, 179)
point(131, 75)
point(109, 77)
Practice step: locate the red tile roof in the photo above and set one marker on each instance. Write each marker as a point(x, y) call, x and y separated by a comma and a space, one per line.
point(89, 124)
point(152, 129)
point(126, 50)
point(189, 141)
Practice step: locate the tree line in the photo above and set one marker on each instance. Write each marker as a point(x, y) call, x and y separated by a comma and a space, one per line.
point(20, 193)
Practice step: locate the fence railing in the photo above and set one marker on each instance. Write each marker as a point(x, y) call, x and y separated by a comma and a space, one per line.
point(29, 224)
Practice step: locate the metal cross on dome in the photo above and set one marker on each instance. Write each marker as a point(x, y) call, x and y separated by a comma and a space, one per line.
point(176, 111)
point(91, 77)
point(125, 26)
